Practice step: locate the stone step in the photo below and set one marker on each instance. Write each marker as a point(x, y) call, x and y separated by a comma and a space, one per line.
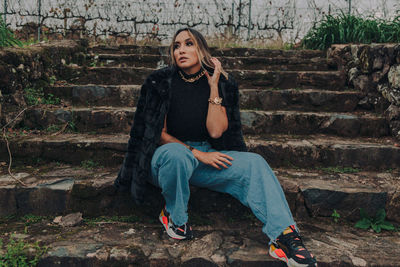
point(279, 150)
point(261, 99)
point(244, 63)
point(56, 188)
point(108, 242)
point(331, 80)
point(218, 52)
point(301, 100)
point(119, 119)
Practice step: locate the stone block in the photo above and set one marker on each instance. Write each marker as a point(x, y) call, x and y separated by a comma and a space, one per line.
point(393, 206)
point(8, 202)
point(363, 83)
point(322, 202)
point(44, 199)
point(394, 76)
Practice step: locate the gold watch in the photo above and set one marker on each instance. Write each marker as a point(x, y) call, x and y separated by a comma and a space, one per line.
point(217, 100)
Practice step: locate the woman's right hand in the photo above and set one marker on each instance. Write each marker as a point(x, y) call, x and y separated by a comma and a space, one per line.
point(215, 159)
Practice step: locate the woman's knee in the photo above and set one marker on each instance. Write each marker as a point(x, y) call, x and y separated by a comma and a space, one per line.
point(174, 153)
point(255, 158)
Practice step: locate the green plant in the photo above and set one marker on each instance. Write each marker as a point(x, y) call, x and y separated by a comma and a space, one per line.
point(52, 79)
point(345, 28)
point(72, 124)
point(36, 96)
point(31, 219)
point(377, 223)
point(89, 164)
point(17, 254)
point(6, 36)
point(50, 99)
point(33, 96)
point(53, 128)
point(335, 216)
point(339, 169)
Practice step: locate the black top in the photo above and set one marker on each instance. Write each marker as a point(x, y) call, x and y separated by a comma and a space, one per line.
point(187, 115)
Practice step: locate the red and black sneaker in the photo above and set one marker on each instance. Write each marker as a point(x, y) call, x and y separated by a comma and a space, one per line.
point(176, 232)
point(288, 247)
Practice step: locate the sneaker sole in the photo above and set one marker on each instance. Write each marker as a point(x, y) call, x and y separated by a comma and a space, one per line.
point(169, 231)
point(289, 262)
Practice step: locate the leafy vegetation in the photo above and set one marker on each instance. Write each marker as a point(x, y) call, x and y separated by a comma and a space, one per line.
point(335, 216)
point(377, 223)
point(52, 79)
point(16, 254)
point(53, 128)
point(89, 164)
point(30, 219)
point(346, 28)
point(36, 96)
point(6, 36)
point(339, 169)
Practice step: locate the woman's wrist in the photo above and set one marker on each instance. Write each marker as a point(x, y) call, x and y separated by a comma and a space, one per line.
point(195, 152)
point(214, 88)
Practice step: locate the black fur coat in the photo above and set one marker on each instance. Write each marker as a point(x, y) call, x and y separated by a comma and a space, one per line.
point(148, 123)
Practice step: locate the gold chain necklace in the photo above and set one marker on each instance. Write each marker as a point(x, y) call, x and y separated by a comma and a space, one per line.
point(193, 79)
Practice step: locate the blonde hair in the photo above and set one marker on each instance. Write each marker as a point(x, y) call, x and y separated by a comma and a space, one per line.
point(202, 49)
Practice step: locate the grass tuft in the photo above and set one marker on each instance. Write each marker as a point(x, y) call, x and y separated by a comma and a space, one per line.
point(344, 28)
point(7, 37)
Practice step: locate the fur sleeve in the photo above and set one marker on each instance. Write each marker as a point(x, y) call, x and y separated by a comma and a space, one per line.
point(126, 172)
point(235, 136)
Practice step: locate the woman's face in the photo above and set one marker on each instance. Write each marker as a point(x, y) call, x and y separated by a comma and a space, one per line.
point(185, 53)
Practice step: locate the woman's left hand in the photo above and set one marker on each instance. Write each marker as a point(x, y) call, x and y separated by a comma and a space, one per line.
point(213, 80)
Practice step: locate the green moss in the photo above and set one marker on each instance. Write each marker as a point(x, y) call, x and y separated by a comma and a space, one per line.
point(36, 96)
point(127, 219)
point(338, 169)
point(89, 164)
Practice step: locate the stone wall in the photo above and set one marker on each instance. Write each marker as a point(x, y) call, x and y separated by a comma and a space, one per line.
point(375, 70)
point(32, 66)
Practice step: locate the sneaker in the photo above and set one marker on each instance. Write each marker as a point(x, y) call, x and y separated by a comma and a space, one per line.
point(288, 247)
point(176, 232)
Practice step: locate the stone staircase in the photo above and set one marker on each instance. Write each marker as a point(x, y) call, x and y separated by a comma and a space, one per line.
point(329, 151)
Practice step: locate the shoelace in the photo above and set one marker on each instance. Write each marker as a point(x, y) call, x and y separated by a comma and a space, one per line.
point(181, 228)
point(293, 239)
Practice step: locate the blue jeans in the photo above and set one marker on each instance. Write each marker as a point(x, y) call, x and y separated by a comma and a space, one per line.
point(249, 179)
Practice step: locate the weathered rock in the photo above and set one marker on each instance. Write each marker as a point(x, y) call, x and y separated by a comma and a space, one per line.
point(353, 73)
point(393, 113)
point(250, 251)
point(69, 220)
point(393, 206)
point(204, 247)
point(363, 83)
point(380, 72)
point(394, 77)
point(393, 116)
point(377, 63)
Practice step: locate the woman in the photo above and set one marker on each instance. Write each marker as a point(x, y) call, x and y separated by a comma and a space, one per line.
point(187, 130)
